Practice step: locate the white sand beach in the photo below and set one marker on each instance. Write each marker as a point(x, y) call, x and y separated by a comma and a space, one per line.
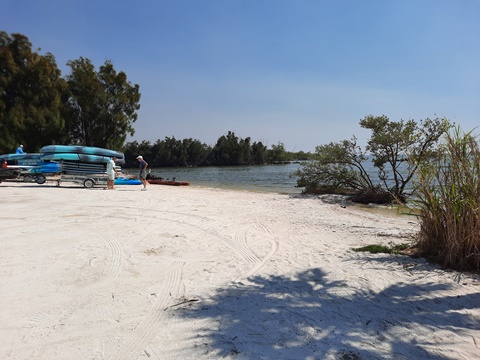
point(201, 273)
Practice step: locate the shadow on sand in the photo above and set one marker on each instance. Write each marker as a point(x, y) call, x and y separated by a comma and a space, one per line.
point(311, 317)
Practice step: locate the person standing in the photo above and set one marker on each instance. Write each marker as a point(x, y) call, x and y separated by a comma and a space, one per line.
point(143, 171)
point(20, 150)
point(111, 171)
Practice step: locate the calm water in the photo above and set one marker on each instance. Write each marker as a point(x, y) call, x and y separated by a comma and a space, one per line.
point(265, 178)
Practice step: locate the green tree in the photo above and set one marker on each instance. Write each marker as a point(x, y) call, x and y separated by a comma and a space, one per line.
point(395, 148)
point(394, 145)
point(103, 104)
point(161, 154)
point(259, 153)
point(277, 154)
point(196, 153)
point(31, 96)
point(131, 151)
point(227, 150)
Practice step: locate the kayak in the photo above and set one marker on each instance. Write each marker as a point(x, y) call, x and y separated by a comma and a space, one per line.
point(77, 167)
point(167, 182)
point(89, 150)
point(81, 153)
point(31, 159)
point(126, 181)
point(81, 158)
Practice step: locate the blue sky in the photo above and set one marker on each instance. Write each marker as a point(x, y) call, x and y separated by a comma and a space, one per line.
point(300, 72)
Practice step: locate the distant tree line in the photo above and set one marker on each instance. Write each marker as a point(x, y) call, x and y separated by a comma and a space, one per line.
point(228, 150)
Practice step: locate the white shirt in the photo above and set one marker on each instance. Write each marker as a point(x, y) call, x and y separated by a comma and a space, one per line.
point(111, 167)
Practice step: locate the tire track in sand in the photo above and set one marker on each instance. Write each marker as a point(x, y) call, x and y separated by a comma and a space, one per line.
point(274, 237)
point(94, 280)
point(146, 330)
point(116, 256)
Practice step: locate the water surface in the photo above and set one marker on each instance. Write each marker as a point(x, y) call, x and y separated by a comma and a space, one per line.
point(264, 178)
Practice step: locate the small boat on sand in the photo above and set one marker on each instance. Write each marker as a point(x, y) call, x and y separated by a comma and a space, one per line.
point(126, 181)
point(154, 180)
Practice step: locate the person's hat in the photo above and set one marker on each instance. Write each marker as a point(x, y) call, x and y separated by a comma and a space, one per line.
point(139, 157)
point(21, 145)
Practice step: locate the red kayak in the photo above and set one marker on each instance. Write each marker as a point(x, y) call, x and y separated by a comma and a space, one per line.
point(156, 180)
point(168, 182)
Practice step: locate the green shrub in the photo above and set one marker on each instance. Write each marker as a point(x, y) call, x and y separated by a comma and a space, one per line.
point(344, 166)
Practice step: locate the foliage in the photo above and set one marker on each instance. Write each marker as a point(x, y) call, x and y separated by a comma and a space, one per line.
point(31, 96)
point(338, 168)
point(448, 198)
point(229, 150)
point(39, 107)
point(341, 167)
point(103, 104)
point(382, 249)
point(394, 144)
point(277, 154)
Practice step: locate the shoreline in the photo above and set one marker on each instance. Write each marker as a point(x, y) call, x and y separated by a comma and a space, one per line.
point(206, 273)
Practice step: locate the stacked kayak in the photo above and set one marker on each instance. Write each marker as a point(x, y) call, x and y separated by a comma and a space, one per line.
point(81, 154)
point(85, 165)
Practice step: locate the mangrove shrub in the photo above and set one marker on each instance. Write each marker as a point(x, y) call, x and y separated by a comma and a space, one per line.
point(343, 167)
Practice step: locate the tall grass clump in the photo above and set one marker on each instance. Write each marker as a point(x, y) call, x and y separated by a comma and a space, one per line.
point(448, 198)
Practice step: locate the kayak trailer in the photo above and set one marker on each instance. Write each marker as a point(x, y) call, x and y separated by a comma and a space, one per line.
point(87, 174)
point(87, 180)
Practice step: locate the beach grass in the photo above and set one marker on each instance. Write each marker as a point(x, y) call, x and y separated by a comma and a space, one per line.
point(448, 199)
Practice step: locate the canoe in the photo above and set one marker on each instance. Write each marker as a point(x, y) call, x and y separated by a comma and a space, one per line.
point(126, 181)
point(167, 182)
point(80, 158)
point(88, 150)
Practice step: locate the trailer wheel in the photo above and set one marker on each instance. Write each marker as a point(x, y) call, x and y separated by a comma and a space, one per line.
point(40, 179)
point(89, 183)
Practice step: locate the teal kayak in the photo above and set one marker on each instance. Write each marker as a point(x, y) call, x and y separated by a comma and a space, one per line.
point(125, 181)
point(88, 150)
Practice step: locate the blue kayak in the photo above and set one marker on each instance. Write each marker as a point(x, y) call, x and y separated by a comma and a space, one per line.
point(125, 181)
point(75, 149)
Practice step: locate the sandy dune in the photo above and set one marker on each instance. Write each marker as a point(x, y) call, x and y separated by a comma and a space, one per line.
point(198, 273)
